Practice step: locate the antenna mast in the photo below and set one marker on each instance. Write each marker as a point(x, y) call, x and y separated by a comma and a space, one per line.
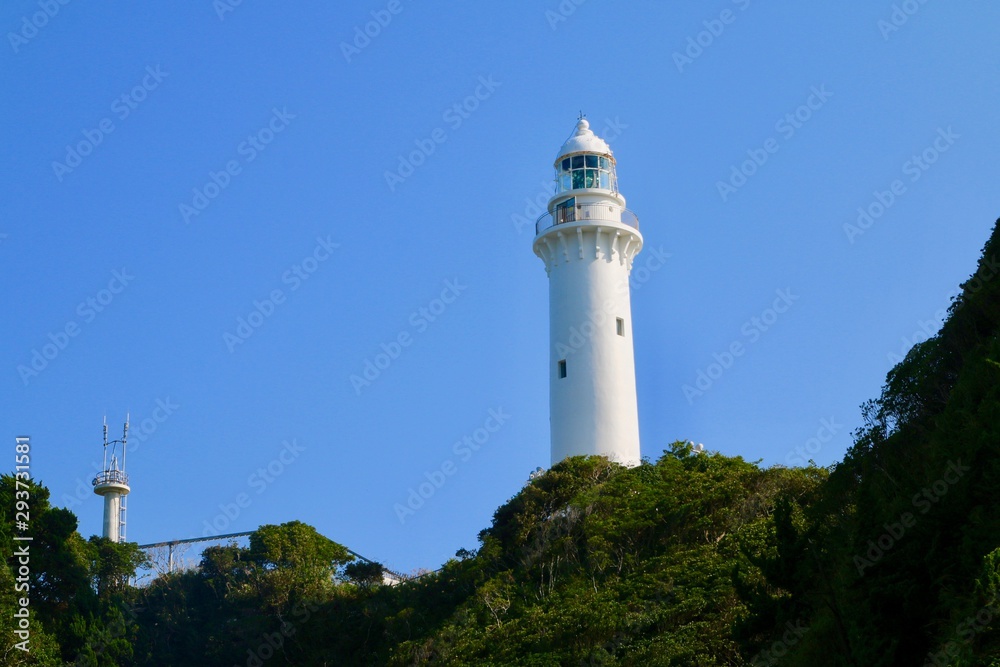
point(112, 484)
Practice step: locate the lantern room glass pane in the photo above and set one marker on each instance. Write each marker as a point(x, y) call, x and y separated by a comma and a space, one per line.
point(565, 164)
point(577, 161)
point(578, 179)
point(565, 182)
point(592, 180)
point(605, 163)
point(605, 180)
point(591, 161)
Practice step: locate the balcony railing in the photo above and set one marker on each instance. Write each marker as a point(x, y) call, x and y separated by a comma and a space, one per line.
point(111, 477)
point(587, 213)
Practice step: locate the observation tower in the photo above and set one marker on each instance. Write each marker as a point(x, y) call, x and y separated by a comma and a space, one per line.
point(112, 484)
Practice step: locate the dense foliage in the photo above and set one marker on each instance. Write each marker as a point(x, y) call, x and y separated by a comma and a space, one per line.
point(76, 588)
point(891, 557)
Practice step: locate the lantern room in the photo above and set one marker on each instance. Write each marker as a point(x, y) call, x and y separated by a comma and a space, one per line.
point(585, 162)
point(586, 171)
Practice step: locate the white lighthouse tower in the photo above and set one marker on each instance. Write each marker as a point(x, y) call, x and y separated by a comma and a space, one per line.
point(112, 484)
point(588, 240)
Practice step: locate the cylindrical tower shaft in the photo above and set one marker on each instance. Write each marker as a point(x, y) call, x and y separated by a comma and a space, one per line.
point(112, 485)
point(112, 515)
point(592, 370)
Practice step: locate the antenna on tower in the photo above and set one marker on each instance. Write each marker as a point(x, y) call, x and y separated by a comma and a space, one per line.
point(125, 440)
point(112, 484)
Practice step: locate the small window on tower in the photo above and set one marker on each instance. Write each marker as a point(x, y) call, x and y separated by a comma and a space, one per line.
point(562, 368)
point(621, 327)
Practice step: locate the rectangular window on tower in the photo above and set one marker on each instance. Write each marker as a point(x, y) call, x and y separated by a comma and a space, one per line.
point(562, 368)
point(621, 327)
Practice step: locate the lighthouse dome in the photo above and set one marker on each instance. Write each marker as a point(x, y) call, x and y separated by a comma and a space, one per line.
point(583, 140)
point(585, 162)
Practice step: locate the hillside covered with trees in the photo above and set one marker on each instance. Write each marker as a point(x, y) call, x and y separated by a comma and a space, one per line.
point(891, 557)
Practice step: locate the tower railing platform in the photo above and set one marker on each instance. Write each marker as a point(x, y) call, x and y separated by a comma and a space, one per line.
point(111, 477)
point(587, 213)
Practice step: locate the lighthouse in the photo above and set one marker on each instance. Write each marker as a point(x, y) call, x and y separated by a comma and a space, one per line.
point(112, 484)
point(588, 240)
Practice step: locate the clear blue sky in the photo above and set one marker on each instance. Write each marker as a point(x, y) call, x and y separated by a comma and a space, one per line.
point(308, 130)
